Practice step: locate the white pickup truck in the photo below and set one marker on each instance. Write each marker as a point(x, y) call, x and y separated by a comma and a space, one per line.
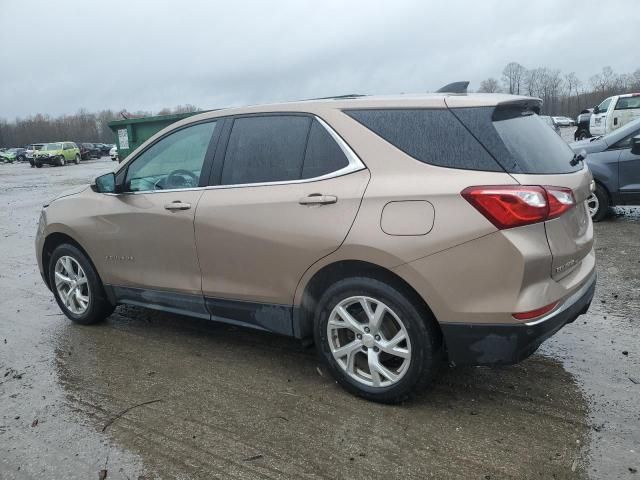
point(614, 112)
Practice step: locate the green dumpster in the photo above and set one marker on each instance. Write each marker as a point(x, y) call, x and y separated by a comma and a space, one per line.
point(132, 132)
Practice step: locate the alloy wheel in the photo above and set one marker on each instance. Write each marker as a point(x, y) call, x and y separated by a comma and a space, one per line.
point(593, 204)
point(369, 341)
point(72, 285)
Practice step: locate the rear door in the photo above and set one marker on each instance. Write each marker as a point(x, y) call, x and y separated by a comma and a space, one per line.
point(626, 110)
point(286, 190)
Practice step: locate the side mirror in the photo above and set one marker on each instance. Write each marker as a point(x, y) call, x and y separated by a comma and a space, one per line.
point(596, 110)
point(106, 183)
point(635, 145)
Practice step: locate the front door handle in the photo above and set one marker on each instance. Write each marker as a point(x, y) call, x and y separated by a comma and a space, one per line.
point(177, 205)
point(318, 199)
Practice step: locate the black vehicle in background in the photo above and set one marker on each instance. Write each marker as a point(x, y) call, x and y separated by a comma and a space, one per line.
point(104, 148)
point(84, 151)
point(94, 150)
point(582, 122)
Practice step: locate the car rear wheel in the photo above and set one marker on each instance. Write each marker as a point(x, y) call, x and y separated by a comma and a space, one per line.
point(77, 159)
point(38, 164)
point(375, 341)
point(77, 287)
point(598, 204)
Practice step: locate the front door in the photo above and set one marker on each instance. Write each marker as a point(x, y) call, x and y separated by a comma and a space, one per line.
point(287, 191)
point(146, 232)
point(597, 123)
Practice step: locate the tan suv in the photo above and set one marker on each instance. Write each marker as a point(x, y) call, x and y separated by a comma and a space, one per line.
point(397, 232)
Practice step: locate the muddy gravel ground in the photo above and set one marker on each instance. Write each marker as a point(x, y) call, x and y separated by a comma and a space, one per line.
point(153, 395)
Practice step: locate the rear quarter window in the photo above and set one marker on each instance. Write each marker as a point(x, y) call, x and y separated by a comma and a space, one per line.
point(432, 136)
point(519, 140)
point(628, 103)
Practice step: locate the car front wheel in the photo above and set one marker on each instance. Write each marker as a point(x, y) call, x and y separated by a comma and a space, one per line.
point(375, 341)
point(61, 161)
point(77, 287)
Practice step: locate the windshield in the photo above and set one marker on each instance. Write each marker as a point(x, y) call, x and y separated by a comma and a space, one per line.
point(53, 146)
point(12, 150)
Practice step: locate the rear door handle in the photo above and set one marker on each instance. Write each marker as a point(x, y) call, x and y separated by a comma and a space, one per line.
point(177, 205)
point(318, 199)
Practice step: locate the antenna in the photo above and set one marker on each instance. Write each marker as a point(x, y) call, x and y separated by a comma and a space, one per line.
point(455, 87)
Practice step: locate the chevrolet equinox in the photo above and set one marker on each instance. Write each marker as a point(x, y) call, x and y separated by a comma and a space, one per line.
point(396, 232)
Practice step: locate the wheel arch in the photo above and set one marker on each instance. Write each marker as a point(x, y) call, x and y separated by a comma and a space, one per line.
point(303, 316)
point(51, 242)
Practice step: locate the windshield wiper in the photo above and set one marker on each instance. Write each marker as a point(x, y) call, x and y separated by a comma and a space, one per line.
point(596, 138)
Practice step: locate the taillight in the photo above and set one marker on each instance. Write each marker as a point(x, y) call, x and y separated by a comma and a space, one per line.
point(508, 206)
point(560, 200)
point(538, 312)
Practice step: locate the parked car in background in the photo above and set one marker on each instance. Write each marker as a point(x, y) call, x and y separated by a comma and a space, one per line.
point(552, 123)
point(564, 121)
point(582, 122)
point(614, 112)
point(614, 160)
point(104, 148)
point(397, 232)
point(84, 150)
point(13, 155)
point(93, 150)
point(113, 153)
point(57, 153)
point(34, 147)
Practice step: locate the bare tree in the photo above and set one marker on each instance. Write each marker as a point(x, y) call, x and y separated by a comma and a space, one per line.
point(490, 85)
point(512, 77)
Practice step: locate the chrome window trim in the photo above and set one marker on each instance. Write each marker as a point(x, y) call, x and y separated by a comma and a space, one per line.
point(354, 165)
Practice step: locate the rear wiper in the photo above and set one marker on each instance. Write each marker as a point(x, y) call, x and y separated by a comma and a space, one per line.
point(577, 158)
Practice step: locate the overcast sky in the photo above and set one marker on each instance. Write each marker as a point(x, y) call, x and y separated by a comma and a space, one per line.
point(59, 56)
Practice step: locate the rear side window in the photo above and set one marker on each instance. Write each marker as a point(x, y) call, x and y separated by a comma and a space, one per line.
point(628, 103)
point(265, 149)
point(432, 136)
point(518, 139)
point(323, 154)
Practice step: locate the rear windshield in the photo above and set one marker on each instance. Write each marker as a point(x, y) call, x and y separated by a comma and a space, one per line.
point(519, 140)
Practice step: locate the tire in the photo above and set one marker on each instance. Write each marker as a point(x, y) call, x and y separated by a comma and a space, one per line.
point(598, 204)
point(21, 158)
point(402, 317)
point(38, 164)
point(77, 159)
point(61, 161)
point(583, 135)
point(96, 306)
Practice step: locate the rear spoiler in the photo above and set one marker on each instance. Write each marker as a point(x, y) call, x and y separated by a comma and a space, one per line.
point(455, 87)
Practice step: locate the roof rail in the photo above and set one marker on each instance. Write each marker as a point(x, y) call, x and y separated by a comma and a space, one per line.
point(455, 87)
point(339, 97)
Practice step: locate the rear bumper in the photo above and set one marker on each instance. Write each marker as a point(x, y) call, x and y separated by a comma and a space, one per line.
point(499, 344)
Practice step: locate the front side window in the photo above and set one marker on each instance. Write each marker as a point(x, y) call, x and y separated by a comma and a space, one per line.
point(175, 161)
point(265, 149)
point(604, 105)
